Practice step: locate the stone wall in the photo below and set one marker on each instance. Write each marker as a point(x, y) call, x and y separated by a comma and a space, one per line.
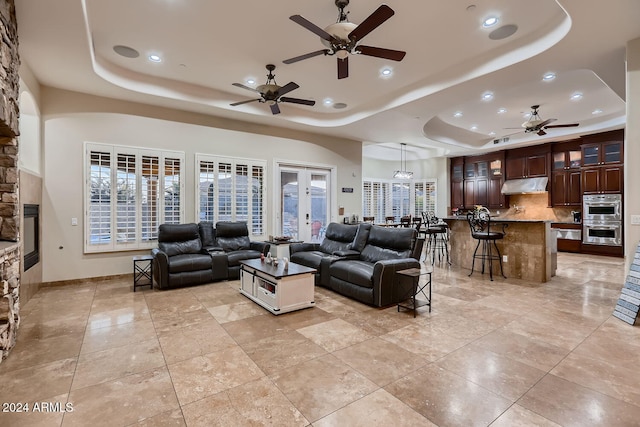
point(10, 256)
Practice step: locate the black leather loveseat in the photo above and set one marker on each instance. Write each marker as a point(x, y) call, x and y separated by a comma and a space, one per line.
point(364, 268)
point(192, 254)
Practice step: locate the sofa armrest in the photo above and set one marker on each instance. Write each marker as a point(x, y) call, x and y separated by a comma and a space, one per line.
point(347, 254)
point(160, 268)
point(387, 287)
point(325, 264)
point(262, 247)
point(303, 247)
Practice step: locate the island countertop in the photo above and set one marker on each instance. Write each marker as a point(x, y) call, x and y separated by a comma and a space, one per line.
point(502, 219)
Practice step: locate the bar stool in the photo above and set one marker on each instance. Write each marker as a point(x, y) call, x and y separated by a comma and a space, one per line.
point(437, 238)
point(480, 224)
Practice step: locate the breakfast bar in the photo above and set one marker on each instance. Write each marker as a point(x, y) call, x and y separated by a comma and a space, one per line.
point(529, 248)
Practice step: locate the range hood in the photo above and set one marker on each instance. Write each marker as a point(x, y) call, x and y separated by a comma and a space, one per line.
point(525, 186)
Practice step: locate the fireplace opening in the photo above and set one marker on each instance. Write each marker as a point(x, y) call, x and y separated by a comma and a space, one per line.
point(31, 236)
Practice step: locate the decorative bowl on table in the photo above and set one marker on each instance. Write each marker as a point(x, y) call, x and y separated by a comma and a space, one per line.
point(282, 238)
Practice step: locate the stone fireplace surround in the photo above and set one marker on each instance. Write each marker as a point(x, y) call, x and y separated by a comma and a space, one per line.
point(9, 182)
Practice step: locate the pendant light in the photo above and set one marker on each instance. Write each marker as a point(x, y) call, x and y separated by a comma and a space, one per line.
point(403, 173)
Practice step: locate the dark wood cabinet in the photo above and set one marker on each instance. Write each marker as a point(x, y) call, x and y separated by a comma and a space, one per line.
point(530, 165)
point(482, 183)
point(566, 160)
point(457, 182)
point(602, 163)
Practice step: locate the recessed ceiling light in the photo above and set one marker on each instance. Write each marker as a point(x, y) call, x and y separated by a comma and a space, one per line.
point(457, 114)
point(474, 127)
point(576, 96)
point(548, 77)
point(502, 110)
point(487, 96)
point(386, 72)
point(490, 22)
point(155, 58)
point(492, 133)
point(328, 101)
point(597, 111)
point(250, 81)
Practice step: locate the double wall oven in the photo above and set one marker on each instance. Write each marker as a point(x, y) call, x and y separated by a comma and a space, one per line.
point(602, 219)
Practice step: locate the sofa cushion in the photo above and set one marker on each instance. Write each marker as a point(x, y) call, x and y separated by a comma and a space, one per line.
point(235, 257)
point(309, 259)
point(361, 237)
point(338, 237)
point(232, 236)
point(388, 243)
point(189, 262)
point(353, 271)
point(178, 239)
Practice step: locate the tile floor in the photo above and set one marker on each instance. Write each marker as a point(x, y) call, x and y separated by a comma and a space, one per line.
point(502, 353)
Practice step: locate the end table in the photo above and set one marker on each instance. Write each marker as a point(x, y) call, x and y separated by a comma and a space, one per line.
point(142, 269)
point(411, 303)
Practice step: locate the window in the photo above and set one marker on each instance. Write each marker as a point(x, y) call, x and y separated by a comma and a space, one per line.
point(122, 196)
point(231, 190)
point(383, 198)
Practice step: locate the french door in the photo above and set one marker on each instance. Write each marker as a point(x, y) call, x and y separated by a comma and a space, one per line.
point(305, 201)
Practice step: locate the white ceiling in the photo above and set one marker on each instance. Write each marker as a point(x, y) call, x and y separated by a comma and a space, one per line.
point(451, 61)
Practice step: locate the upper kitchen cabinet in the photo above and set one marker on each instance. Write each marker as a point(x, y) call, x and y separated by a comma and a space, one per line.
point(602, 163)
point(483, 179)
point(566, 160)
point(457, 182)
point(529, 162)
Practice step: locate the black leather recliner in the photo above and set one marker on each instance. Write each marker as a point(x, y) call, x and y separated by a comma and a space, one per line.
point(372, 278)
point(233, 239)
point(338, 239)
point(179, 259)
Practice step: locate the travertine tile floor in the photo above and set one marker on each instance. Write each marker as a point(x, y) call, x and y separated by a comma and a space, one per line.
point(502, 353)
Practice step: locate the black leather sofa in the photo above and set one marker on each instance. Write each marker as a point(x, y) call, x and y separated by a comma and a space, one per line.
point(364, 268)
point(192, 254)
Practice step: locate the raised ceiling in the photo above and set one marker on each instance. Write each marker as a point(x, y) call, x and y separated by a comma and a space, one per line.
point(451, 61)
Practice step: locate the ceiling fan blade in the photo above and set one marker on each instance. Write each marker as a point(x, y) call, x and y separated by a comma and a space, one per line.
point(544, 123)
point(287, 88)
point(245, 102)
point(306, 56)
point(343, 68)
point(541, 132)
point(297, 101)
point(245, 87)
point(378, 52)
point(372, 22)
point(568, 125)
point(274, 108)
point(312, 27)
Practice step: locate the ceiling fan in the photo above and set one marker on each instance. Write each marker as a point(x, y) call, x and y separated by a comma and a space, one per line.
point(537, 125)
point(272, 94)
point(341, 38)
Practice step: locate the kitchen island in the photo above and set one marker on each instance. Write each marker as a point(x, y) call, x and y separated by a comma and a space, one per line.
point(529, 246)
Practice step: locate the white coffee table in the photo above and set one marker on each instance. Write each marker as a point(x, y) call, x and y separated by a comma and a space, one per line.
point(276, 289)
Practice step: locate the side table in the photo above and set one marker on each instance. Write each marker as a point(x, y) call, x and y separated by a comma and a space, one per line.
point(142, 269)
point(411, 302)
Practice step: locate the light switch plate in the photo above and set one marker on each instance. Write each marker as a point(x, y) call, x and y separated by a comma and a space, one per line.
point(635, 219)
point(74, 221)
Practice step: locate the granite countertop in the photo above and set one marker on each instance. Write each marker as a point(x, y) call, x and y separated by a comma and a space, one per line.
point(502, 219)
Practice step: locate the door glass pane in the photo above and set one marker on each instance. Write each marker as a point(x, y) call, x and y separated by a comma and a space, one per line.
point(469, 170)
point(558, 161)
point(496, 168)
point(612, 153)
point(289, 204)
point(590, 155)
point(319, 218)
point(100, 196)
point(575, 159)
point(126, 198)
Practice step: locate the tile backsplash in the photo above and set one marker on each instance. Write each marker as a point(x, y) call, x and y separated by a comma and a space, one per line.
point(535, 206)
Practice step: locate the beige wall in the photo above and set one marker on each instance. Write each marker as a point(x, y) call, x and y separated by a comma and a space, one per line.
point(70, 119)
point(435, 168)
point(632, 150)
